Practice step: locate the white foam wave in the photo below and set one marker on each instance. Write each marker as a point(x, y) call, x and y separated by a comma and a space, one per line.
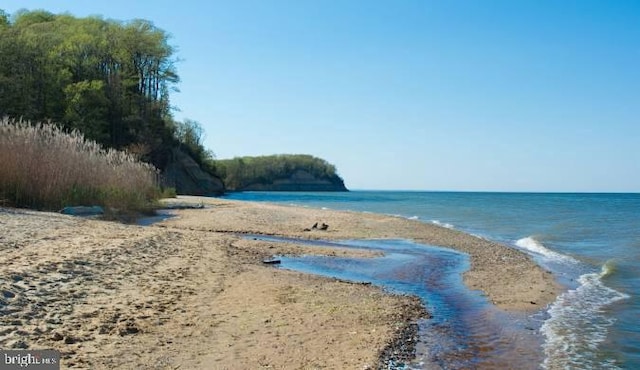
point(413, 218)
point(479, 236)
point(578, 324)
point(443, 224)
point(532, 245)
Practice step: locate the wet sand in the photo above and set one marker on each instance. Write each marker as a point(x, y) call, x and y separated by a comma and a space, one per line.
point(189, 293)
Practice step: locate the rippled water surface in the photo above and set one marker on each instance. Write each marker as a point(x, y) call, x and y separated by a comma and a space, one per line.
point(590, 241)
point(464, 332)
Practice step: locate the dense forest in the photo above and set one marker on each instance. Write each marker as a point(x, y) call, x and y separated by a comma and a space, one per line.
point(243, 172)
point(108, 79)
point(111, 81)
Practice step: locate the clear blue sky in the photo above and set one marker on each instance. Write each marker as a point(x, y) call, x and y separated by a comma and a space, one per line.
point(425, 95)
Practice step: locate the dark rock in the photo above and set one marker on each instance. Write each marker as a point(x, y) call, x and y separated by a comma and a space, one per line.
point(402, 348)
point(186, 176)
point(104, 329)
point(315, 226)
point(57, 337)
point(20, 344)
point(129, 328)
point(16, 278)
point(8, 294)
point(324, 226)
point(272, 261)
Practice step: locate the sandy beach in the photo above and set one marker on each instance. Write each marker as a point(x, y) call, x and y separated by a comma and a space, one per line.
point(189, 293)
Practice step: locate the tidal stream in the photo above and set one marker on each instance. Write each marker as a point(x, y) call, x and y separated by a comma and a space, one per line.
point(465, 330)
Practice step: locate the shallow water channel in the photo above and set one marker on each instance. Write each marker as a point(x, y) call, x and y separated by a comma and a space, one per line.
point(466, 331)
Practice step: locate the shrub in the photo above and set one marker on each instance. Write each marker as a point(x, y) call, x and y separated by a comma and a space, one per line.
point(43, 167)
point(168, 192)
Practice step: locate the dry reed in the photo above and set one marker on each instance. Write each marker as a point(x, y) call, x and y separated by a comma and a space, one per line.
point(43, 167)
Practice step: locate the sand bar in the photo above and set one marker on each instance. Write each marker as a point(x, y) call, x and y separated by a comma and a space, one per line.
point(188, 293)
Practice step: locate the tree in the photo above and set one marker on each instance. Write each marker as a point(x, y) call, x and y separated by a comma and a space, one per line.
point(190, 135)
point(86, 109)
point(110, 80)
point(244, 171)
point(4, 19)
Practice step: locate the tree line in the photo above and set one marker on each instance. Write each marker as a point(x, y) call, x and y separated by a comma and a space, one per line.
point(241, 172)
point(108, 79)
point(111, 81)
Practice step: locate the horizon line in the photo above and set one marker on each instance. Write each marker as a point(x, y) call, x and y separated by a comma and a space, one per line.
point(499, 191)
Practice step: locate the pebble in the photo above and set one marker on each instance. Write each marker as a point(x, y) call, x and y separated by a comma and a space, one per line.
point(16, 278)
point(57, 337)
point(8, 294)
point(20, 344)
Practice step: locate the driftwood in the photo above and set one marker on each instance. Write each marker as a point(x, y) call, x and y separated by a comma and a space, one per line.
point(315, 227)
point(171, 205)
point(271, 261)
point(352, 282)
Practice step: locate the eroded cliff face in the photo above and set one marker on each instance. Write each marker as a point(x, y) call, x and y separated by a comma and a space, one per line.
point(186, 176)
point(300, 180)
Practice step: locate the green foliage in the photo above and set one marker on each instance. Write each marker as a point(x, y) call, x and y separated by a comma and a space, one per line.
point(190, 136)
point(168, 192)
point(4, 19)
point(108, 79)
point(86, 109)
point(243, 171)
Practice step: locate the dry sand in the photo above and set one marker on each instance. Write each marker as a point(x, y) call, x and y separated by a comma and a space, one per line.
point(187, 293)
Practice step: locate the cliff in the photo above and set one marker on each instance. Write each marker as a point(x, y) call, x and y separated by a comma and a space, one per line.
point(300, 180)
point(186, 176)
point(280, 172)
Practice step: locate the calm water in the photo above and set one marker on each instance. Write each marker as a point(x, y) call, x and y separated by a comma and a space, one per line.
point(464, 330)
point(590, 241)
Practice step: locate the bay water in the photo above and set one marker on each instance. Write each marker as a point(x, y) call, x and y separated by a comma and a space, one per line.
point(591, 242)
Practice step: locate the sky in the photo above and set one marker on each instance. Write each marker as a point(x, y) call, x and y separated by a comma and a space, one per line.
point(529, 95)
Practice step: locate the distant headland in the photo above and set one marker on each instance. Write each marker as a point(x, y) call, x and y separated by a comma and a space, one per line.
point(283, 172)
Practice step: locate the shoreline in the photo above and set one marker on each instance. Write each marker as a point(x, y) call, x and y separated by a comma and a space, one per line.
point(188, 292)
point(509, 277)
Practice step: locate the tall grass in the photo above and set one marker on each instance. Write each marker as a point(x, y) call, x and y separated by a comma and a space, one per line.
point(43, 167)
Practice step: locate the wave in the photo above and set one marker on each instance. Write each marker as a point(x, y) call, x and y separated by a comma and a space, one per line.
point(397, 215)
point(532, 245)
point(442, 224)
point(577, 323)
point(297, 205)
point(609, 268)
